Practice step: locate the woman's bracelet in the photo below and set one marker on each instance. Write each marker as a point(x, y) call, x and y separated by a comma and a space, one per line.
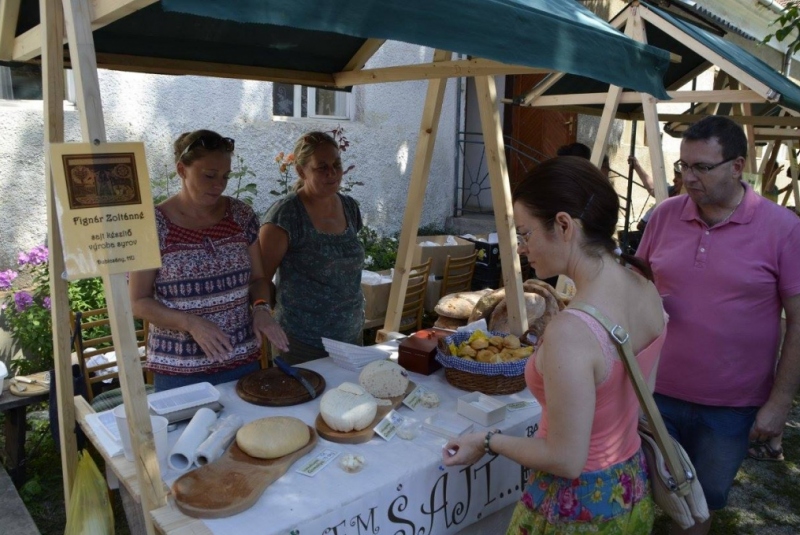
point(261, 304)
point(487, 448)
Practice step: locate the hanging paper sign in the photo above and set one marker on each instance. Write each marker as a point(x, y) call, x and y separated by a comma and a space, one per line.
point(105, 208)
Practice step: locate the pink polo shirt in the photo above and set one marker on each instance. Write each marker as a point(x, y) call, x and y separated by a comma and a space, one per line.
point(722, 288)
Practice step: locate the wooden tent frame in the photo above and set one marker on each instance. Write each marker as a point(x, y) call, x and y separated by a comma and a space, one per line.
point(72, 22)
point(743, 90)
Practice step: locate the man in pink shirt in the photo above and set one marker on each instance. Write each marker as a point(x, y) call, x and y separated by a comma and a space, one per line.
point(726, 262)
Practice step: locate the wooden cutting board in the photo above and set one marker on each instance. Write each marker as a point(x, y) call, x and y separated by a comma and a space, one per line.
point(232, 483)
point(273, 388)
point(366, 434)
point(40, 385)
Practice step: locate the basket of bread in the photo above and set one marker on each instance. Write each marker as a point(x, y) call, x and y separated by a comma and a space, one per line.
point(489, 362)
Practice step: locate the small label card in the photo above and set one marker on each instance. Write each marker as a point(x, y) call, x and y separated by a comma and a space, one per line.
point(519, 405)
point(413, 400)
point(318, 462)
point(387, 427)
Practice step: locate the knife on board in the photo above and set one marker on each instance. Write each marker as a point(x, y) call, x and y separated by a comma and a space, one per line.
point(289, 370)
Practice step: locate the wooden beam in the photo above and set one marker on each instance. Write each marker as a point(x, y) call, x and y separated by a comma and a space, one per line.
point(756, 85)
point(429, 126)
point(631, 97)
point(102, 13)
point(609, 109)
point(649, 110)
point(541, 87)
point(9, 14)
point(501, 202)
point(361, 57)
point(757, 120)
point(747, 109)
point(794, 172)
point(776, 133)
point(82, 54)
point(53, 84)
point(429, 71)
point(121, 62)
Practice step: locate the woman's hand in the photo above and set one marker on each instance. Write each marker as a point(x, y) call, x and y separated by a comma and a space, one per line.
point(467, 449)
point(214, 342)
point(265, 325)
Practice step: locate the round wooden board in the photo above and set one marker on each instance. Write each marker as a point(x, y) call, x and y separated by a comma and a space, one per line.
point(42, 385)
point(366, 434)
point(273, 388)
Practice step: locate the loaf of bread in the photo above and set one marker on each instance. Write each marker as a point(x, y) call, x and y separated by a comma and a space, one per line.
point(535, 306)
point(273, 437)
point(459, 305)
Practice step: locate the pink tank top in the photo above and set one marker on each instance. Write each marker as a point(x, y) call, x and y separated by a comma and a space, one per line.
point(614, 437)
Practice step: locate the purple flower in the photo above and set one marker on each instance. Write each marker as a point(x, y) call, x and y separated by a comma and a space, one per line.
point(23, 259)
point(46, 303)
point(22, 300)
point(38, 255)
point(5, 279)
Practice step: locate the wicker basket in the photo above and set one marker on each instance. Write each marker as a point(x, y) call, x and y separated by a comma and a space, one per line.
point(493, 379)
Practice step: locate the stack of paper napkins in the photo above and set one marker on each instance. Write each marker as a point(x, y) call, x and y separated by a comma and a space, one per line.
point(352, 357)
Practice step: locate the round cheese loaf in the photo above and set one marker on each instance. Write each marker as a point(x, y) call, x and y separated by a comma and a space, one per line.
point(348, 407)
point(273, 437)
point(384, 379)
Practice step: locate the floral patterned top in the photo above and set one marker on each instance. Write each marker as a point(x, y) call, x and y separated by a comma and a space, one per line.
point(319, 279)
point(205, 272)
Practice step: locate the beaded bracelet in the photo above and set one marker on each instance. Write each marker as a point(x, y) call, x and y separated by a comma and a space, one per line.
point(487, 448)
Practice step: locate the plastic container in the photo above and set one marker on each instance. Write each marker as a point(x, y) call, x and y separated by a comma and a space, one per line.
point(447, 425)
point(182, 398)
point(481, 409)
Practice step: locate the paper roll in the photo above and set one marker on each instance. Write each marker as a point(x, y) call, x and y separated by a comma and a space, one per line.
point(222, 434)
point(182, 456)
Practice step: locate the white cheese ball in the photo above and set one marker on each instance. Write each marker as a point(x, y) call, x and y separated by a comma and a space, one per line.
point(384, 379)
point(348, 407)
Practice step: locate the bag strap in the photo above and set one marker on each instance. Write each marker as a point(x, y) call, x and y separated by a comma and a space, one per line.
point(682, 479)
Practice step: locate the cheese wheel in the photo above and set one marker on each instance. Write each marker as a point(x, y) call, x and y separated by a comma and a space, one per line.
point(348, 407)
point(273, 437)
point(384, 379)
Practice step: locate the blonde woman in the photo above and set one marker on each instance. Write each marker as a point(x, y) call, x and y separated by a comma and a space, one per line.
point(310, 239)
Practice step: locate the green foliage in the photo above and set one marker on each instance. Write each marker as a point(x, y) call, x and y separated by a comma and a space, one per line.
point(380, 252)
point(431, 229)
point(161, 189)
point(789, 21)
point(26, 311)
point(242, 173)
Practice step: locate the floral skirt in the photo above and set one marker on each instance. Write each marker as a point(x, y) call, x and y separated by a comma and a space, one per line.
point(616, 500)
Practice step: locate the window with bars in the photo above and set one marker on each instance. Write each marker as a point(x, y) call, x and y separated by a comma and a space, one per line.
point(289, 100)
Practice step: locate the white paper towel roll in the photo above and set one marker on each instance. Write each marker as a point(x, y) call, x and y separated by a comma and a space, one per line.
point(182, 456)
point(222, 434)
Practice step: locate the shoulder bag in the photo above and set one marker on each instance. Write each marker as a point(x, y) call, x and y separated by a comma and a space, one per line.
point(676, 489)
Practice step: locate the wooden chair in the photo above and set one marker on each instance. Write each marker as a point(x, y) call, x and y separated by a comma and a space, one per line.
point(414, 304)
point(95, 333)
point(458, 274)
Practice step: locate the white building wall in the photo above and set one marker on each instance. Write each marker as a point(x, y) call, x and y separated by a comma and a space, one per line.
point(155, 109)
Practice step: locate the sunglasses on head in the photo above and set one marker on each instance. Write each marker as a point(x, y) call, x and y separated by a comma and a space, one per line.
point(209, 142)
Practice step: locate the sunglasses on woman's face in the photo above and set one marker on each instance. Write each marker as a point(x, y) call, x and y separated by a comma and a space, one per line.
point(225, 144)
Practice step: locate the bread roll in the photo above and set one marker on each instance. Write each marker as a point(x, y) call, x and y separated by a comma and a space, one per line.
point(273, 437)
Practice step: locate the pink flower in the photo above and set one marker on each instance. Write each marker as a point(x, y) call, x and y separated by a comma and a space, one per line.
point(567, 502)
point(627, 487)
point(527, 500)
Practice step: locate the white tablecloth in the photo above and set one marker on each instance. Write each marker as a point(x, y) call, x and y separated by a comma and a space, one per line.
point(402, 489)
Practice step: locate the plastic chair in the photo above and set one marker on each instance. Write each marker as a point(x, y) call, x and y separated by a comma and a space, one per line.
point(94, 338)
point(458, 274)
point(414, 304)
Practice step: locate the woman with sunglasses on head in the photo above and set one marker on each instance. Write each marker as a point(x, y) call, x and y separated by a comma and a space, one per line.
point(310, 239)
point(208, 302)
point(588, 472)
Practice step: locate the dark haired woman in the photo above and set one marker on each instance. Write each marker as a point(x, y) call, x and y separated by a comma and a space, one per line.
point(589, 475)
point(207, 303)
point(310, 238)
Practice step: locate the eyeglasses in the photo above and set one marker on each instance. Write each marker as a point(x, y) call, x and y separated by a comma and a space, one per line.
point(522, 239)
point(209, 142)
point(698, 169)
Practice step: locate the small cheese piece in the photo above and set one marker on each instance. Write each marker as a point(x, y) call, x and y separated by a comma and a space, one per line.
point(273, 437)
point(348, 407)
point(351, 463)
point(429, 400)
point(384, 379)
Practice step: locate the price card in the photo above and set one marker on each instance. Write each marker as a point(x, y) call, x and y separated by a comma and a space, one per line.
point(387, 427)
point(318, 462)
point(519, 405)
point(413, 400)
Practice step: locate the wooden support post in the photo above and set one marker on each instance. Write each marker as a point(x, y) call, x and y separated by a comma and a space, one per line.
point(429, 126)
point(82, 54)
point(9, 14)
point(750, 131)
point(609, 112)
point(652, 128)
point(795, 169)
point(52, 19)
point(501, 202)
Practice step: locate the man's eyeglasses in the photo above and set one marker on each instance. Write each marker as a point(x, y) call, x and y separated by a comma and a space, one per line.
point(699, 169)
point(522, 239)
point(209, 142)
